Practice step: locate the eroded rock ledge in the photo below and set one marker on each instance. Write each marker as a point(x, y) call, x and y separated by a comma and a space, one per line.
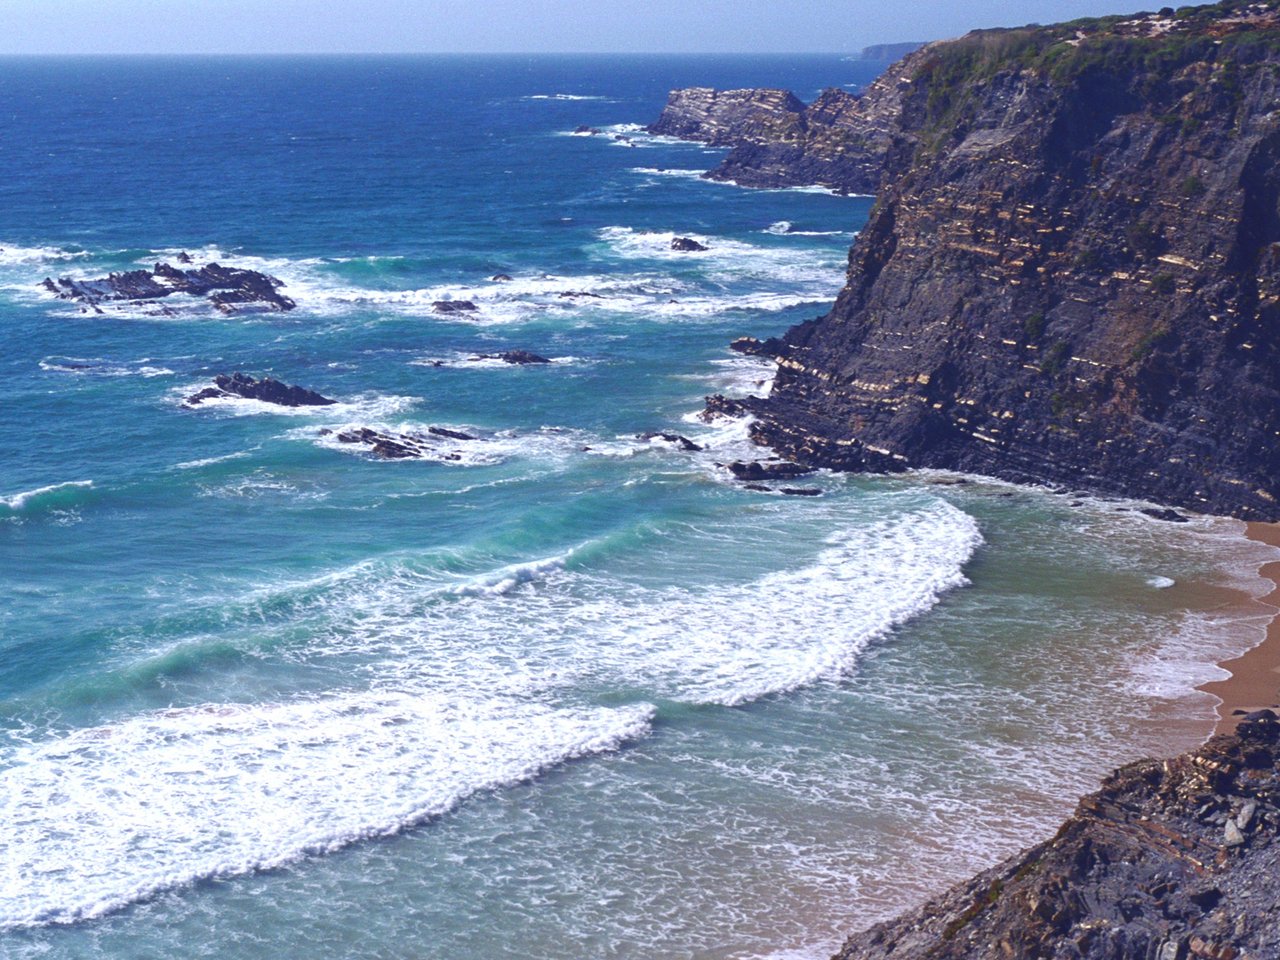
point(1170, 860)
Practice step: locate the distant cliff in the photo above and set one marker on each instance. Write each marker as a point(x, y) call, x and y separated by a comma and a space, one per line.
point(840, 141)
point(888, 52)
point(1172, 860)
point(1072, 272)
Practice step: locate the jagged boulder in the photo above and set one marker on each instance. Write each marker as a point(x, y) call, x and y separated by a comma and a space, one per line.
point(266, 390)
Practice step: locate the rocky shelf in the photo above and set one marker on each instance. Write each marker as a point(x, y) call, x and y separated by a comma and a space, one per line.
point(1170, 860)
point(229, 289)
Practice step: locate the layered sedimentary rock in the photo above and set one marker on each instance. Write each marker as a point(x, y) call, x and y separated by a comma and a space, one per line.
point(840, 141)
point(1072, 272)
point(1172, 860)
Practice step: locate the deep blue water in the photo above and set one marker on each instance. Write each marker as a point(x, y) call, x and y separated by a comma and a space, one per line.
point(560, 691)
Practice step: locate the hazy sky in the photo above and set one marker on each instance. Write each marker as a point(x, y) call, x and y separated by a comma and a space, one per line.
point(535, 26)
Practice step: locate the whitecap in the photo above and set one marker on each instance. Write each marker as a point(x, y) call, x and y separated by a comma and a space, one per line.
point(54, 495)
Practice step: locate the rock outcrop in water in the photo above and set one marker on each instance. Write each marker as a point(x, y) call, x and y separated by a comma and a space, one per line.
point(1172, 860)
point(229, 289)
point(839, 141)
point(265, 390)
point(388, 445)
point(1072, 273)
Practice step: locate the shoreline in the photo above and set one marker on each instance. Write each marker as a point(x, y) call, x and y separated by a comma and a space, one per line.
point(1254, 681)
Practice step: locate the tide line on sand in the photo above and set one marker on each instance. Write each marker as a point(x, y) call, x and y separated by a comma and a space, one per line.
point(1255, 675)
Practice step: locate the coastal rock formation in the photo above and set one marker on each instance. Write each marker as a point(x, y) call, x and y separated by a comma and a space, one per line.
point(387, 445)
point(229, 289)
point(725, 118)
point(1172, 860)
point(675, 439)
point(688, 245)
point(841, 140)
point(1072, 273)
point(518, 357)
point(265, 390)
point(454, 306)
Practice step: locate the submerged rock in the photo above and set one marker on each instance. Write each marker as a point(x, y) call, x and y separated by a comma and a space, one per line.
point(389, 445)
point(756, 471)
point(265, 390)
point(684, 443)
point(512, 356)
point(454, 306)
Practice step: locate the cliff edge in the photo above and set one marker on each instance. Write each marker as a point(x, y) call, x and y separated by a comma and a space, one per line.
point(1072, 271)
point(1172, 860)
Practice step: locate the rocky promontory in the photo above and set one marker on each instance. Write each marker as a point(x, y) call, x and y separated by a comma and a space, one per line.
point(1170, 860)
point(1072, 272)
point(839, 141)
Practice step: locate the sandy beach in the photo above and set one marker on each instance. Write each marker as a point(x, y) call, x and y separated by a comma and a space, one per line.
point(1255, 676)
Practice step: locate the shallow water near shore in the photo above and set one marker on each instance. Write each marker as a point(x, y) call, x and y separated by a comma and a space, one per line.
point(561, 691)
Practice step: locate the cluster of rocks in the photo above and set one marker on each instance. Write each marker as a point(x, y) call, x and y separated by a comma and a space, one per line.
point(229, 289)
point(1170, 860)
point(388, 445)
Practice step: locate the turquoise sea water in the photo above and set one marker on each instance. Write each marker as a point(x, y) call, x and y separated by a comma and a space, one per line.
point(561, 691)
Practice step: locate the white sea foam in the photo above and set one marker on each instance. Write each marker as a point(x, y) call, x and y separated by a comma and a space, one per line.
point(54, 495)
point(455, 690)
point(110, 815)
point(788, 262)
point(15, 254)
point(100, 367)
point(1160, 583)
point(366, 406)
point(565, 96)
point(785, 228)
point(210, 461)
point(669, 172)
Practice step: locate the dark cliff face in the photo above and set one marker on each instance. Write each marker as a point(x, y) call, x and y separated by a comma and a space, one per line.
point(1173, 860)
point(839, 141)
point(1072, 273)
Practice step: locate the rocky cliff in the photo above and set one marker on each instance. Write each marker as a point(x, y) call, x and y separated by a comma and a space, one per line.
point(1072, 272)
point(841, 140)
point(1172, 860)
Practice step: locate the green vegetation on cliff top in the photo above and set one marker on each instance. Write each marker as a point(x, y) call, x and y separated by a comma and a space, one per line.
point(1138, 51)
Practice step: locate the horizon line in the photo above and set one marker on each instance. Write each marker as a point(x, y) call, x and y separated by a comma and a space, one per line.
point(453, 53)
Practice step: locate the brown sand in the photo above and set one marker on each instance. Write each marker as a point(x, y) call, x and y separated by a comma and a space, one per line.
point(1255, 677)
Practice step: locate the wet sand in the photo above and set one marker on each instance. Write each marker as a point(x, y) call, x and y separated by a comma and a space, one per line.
point(1255, 676)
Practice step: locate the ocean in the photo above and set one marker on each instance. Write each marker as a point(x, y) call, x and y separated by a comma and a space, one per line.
point(561, 691)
